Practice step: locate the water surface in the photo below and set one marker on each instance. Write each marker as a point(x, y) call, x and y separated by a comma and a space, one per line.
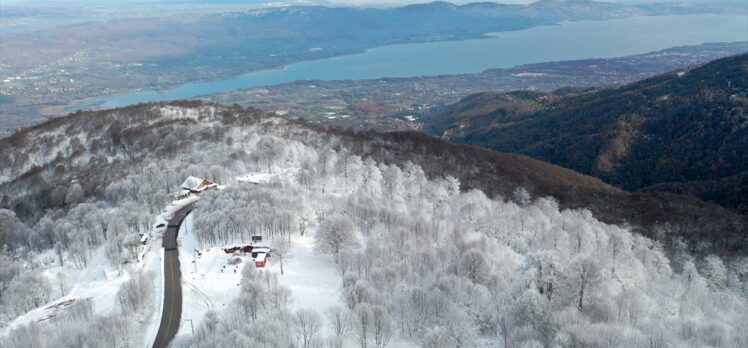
point(572, 40)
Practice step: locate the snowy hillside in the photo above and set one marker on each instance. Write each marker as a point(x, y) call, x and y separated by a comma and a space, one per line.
point(375, 251)
point(447, 268)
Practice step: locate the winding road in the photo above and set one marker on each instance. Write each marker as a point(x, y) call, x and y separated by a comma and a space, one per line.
point(172, 310)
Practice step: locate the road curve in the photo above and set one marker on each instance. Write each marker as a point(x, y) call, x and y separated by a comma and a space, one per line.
point(172, 309)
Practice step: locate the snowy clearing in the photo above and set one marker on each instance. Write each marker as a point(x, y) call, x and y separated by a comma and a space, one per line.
point(313, 279)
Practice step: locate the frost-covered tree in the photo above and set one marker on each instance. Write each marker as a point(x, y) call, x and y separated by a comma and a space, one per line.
point(9, 269)
point(134, 293)
point(715, 272)
point(59, 252)
point(62, 282)
point(363, 321)
point(340, 323)
point(381, 326)
point(115, 253)
point(253, 295)
point(27, 291)
point(335, 234)
point(12, 231)
point(75, 194)
point(281, 248)
point(438, 337)
point(449, 266)
point(585, 277)
point(307, 324)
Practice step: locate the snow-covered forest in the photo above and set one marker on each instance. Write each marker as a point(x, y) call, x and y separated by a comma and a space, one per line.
point(422, 261)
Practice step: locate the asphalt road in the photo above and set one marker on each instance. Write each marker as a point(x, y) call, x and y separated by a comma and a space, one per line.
point(170, 318)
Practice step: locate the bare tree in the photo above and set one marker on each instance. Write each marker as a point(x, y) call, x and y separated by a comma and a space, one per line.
point(438, 337)
point(78, 250)
point(340, 320)
point(27, 291)
point(302, 226)
point(115, 253)
point(307, 323)
point(252, 299)
point(134, 294)
point(58, 251)
point(587, 275)
point(62, 281)
point(362, 323)
point(381, 326)
point(281, 246)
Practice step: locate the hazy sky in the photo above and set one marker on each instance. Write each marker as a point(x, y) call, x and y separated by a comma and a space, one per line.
point(356, 2)
point(114, 4)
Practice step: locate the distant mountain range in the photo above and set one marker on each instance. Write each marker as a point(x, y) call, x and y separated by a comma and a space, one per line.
point(683, 132)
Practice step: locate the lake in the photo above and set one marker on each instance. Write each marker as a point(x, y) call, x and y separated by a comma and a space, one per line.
point(567, 41)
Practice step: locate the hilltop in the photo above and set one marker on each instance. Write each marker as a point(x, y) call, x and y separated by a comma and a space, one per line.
point(400, 238)
point(680, 132)
point(107, 141)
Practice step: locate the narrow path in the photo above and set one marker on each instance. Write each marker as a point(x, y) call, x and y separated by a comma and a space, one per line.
point(172, 312)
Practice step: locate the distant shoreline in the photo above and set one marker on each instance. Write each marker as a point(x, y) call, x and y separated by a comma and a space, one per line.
point(329, 68)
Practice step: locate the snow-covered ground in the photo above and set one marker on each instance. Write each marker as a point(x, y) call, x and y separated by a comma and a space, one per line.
point(212, 286)
point(255, 178)
point(313, 279)
point(97, 282)
point(212, 283)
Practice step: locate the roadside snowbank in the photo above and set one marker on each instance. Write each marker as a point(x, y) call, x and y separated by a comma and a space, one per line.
point(153, 261)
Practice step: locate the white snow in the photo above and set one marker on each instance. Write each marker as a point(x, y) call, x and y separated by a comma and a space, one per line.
point(528, 74)
point(314, 281)
point(208, 282)
point(211, 283)
point(175, 112)
point(88, 283)
point(255, 178)
point(99, 282)
point(261, 257)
